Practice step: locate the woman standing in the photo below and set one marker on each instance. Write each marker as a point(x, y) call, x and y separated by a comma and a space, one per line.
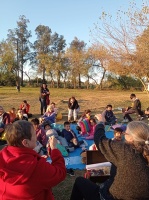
point(73, 109)
point(44, 98)
point(130, 165)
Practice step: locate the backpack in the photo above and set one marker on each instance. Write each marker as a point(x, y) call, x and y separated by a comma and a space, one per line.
point(62, 149)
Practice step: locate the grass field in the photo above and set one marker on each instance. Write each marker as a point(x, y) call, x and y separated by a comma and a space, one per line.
point(94, 100)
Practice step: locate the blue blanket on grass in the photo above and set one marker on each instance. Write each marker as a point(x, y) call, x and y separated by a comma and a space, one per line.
point(74, 158)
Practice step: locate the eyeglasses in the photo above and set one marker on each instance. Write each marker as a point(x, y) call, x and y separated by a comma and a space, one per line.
point(125, 133)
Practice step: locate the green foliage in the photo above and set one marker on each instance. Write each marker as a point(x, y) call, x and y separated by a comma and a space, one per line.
point(123, 82)
point(8, 79)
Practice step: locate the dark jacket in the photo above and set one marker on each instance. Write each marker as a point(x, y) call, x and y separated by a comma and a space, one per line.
point(73, 106)
point(132, 172)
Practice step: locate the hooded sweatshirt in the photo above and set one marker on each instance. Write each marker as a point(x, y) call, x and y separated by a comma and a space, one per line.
point(25, 175)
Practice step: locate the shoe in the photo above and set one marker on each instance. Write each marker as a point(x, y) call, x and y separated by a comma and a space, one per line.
point(125, 121)
point(70, 172)
point(140, 118)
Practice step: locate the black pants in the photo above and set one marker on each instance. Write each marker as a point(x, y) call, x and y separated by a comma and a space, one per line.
point(85, 189)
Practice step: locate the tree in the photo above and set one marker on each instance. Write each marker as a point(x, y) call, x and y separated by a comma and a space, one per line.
point(100, 57)
point(120, 40)
point(42, 48)
point(20, 36)
point(58, 61)
point(75, 54)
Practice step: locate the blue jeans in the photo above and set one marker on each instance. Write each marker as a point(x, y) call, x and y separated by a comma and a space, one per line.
point(43, 105)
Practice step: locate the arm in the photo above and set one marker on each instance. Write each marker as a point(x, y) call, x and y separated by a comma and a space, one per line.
point(55, 172)
point(51, 117)
point(112, 150)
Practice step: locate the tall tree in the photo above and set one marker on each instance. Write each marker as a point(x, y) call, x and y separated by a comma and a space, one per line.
point(58, 63)
point(75, 54)
point(20, 36)
point(42, 48)
point(120, 39)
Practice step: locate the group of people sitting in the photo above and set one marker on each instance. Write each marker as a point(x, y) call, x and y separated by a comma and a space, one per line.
point(25, 174)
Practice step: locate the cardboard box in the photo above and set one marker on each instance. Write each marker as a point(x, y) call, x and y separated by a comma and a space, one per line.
point(96, 157)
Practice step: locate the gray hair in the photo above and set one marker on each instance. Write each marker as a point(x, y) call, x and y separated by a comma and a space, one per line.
point(140, 134)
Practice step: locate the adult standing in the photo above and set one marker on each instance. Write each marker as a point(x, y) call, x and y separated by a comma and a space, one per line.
point(73, 108)
point(44, 98)
point(130, 162)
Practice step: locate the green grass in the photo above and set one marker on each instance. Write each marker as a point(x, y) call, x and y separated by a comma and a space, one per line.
point(94, 100)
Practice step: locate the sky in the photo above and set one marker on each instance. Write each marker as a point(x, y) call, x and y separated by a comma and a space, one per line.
point(70, 18)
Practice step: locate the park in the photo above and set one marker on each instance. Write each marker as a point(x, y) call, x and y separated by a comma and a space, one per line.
point(95, 100)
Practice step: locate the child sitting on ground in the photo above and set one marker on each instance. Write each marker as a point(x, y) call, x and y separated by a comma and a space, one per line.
point(49, 115)
point(70, 136)
point(40, 132)
point(109, 116)
point(12, 114)
point(85, 115)
point(92, 123)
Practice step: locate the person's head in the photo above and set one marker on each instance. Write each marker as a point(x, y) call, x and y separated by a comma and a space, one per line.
point(1, 110)
point(109, 107)
point(13, 110)
point(67, 125)
point(19, 113)
point(53, 104)
point(72, 99)
point(47, 126)
point(132, 96)
point(137, 133)
point(21, 134)
point(25, 102)
point(118, 133)
point(92, 121)
point(44, 85)
point(88, 113)
point(35, 123)
point(50, 108)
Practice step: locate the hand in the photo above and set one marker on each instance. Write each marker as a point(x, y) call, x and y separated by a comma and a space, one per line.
point(52, 142)
point(100, 118)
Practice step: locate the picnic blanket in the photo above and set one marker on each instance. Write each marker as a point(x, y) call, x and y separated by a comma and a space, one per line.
point(74, 159)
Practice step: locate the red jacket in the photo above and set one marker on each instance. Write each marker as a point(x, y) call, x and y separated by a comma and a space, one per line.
point(26, 175)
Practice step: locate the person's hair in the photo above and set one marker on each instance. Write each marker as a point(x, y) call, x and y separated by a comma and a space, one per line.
point(119, 130)
point(25, 101)
point(50, 107)
point(35, 121)
point(2, 108)
point(109, 105)
point(93, 120)
point(17, 131)
point(46, 124)
point(140, 134)
point(132, 96)
point(52, 103)
point(66, 123)
point(86, 112)
point(18, 111)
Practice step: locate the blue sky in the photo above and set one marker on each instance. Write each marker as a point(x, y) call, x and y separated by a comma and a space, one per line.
point(69, 18)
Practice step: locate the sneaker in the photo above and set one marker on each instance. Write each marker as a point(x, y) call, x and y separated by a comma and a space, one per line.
point(141, 118)
point(70, 172)
point(125, 121)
